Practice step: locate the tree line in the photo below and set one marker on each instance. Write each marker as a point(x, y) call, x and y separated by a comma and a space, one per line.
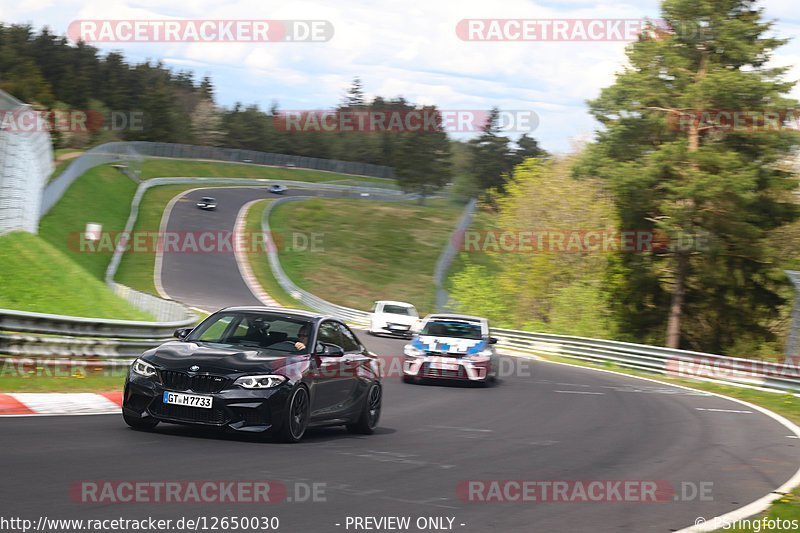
point(717, 197)
point(49, 72)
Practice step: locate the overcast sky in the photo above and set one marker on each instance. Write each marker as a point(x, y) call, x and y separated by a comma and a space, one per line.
point(399, 48)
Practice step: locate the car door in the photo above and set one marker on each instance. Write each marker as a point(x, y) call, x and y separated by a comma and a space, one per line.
point(329, 379)
point(358, 367)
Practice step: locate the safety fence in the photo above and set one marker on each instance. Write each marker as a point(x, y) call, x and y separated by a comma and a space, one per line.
point(449, 253)
point(131, 154)
point(751, 373)
point(353, 316)
point(46, 335)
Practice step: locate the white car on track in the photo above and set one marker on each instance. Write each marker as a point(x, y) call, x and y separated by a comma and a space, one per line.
point(393, 318)
point(451, 346)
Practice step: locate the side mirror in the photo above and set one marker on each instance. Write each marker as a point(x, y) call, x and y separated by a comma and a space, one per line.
point(492, 340)
point(331, 350)
point(182, 333)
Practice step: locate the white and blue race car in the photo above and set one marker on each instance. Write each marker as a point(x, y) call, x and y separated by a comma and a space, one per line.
point(450, 346)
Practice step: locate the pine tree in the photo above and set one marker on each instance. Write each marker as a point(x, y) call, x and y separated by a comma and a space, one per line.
point(676, 168)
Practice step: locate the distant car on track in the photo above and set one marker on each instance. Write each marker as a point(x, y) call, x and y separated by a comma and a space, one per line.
point(257, 370)
point(450, 346)
point(207, 202)
point(393, 318)
point(277, 188)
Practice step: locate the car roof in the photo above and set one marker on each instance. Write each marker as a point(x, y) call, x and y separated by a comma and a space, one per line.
point(207, 198)
point(450, 316)
point(277, 310)
point(393, 302)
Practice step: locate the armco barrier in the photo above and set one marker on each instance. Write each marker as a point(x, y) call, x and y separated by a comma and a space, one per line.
point(449, 253)
point(681, 363)
point(134, 151)
point(12, 321)
point(354, 316)
point(736, 371)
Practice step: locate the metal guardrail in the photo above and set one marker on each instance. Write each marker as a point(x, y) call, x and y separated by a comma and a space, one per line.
point(13, 321)
point(21, 345)
point(134, 151)
point(449, 253)
point(679, 363)
point(740, 372)
point(354, 316)
point(46, 335)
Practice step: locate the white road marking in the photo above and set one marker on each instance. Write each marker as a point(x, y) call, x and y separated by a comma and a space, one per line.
point(579, 392)
point(724, 410)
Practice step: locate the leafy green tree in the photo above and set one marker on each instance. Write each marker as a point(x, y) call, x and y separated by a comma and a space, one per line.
point(676, 168)
point(547, 286)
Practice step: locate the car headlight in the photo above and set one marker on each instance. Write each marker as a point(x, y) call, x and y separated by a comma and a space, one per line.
point(260, 382)
point(411, 351)
point(143, 369)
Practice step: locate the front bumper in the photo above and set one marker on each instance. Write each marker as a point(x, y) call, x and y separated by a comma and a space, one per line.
point(398, 330)
point(235, 408)
point(438, 367)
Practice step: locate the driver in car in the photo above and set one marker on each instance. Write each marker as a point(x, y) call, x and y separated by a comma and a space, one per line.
point(302, 338)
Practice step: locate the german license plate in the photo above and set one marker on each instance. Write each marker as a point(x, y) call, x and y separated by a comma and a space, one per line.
point(440, 365)
point(190, 400)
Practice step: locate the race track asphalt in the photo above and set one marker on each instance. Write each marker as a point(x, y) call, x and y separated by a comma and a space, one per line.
point(540, 422)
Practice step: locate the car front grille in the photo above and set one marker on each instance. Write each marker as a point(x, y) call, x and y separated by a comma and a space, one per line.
point(181, 381)
point(436, 373)
point(251, 416)
point(215, 415)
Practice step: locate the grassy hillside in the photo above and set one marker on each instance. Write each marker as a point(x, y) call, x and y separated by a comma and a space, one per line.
point(367, 250)
point(102, 195)
point(38, 277)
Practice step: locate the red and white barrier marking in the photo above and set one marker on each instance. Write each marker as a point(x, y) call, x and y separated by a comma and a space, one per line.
point(59, 403)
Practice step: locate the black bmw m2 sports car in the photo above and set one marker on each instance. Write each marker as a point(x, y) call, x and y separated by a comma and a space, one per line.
point(257, 369)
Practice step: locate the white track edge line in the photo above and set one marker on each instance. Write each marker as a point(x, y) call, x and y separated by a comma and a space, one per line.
point(746, 511)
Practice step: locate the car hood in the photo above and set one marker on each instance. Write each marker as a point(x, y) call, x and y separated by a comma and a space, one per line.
point(217, 359)
point(450, 345)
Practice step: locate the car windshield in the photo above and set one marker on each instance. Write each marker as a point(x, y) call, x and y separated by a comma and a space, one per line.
point(255, 330)
point(399, 310)
point(207, 199)
point(455, 329)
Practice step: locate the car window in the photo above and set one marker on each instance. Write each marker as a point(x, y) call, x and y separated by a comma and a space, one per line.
point(397, 310)
point(258, 330)
point(454, 329)
point(349, 342)
point(216, 330)
point(329, 333)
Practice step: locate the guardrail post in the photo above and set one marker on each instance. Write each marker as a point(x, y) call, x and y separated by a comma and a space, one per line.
point(794, 331)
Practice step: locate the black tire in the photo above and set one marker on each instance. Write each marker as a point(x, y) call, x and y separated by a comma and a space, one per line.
point(408, 379)
point(490, 381)
point(370, 412)
point(297, 414)
point(140, 423)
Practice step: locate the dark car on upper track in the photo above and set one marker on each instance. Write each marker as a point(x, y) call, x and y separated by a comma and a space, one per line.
point(257, 369)
point(208, 203)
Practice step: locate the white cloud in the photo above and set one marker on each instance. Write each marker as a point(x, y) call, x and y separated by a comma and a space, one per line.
point(399, 47)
